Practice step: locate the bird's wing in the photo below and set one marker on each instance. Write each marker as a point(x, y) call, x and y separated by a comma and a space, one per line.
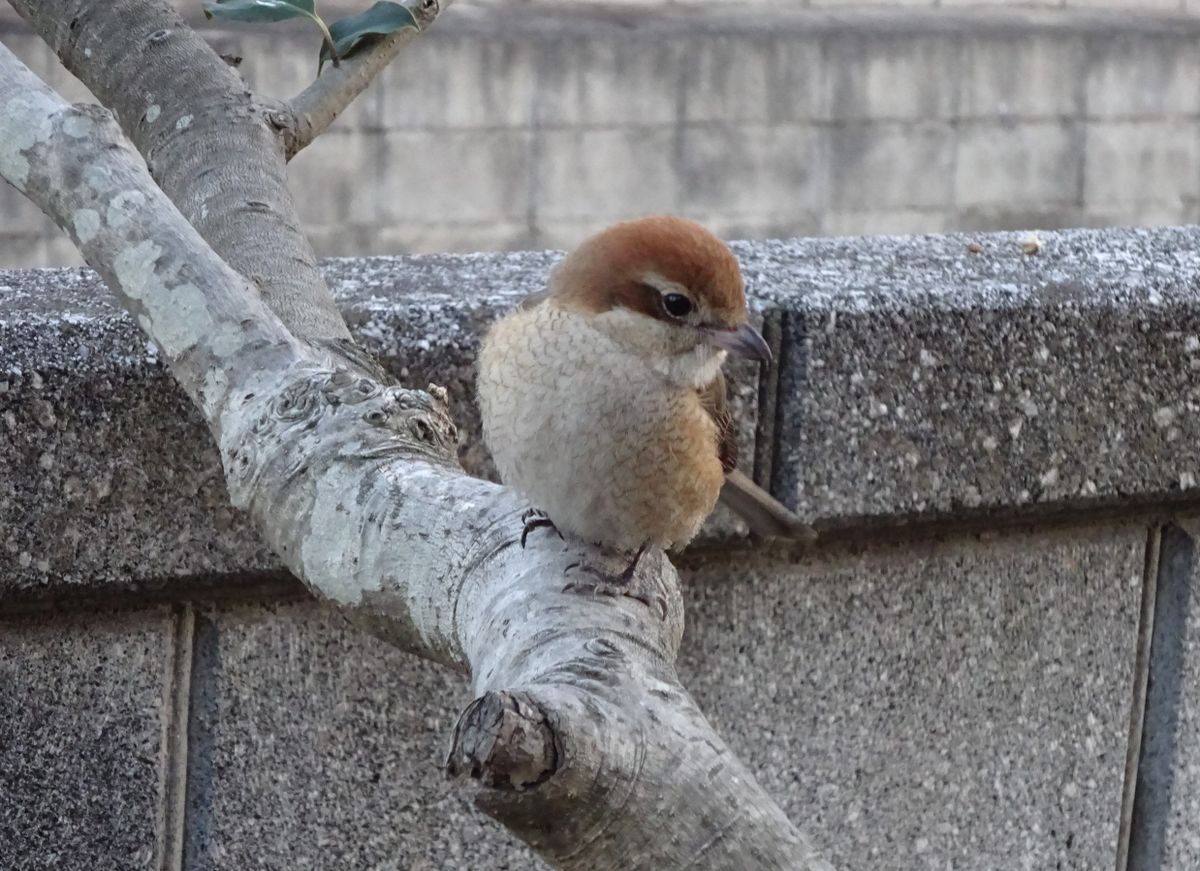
point(766, 516)
point(715, 401)
point(534, 299)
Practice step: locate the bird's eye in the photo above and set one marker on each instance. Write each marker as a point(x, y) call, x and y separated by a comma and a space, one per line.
point(677, 305)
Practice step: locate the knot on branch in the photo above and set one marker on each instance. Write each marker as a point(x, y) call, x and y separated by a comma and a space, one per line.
point(504, 741)
point(331, 415)
point(422, 417)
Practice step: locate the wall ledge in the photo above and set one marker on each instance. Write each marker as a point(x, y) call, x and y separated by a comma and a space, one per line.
point(916, 380)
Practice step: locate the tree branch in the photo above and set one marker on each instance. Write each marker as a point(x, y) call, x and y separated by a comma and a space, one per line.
point(310, 112)
point(208, 141)
point(583, 741)
point(75, 164)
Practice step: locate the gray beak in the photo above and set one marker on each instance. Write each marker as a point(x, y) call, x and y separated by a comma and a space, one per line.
point(745, 341)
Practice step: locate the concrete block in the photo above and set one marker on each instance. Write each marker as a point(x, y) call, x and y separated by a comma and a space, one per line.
point(1142, 75)
point(29, 250)
point(604, 175)
point(109, 472)
point(82, 703)
point(21, 216)
point(609, 77)
point(993, 378)
point(56, 247)
point(786, 226)
point(890, 166)
point(1033, 164)
point(876, 222)
point(328, 239)
point(566, 234)
point(1025, 76)
point(1036, 4)
point(334, 738)
point(1162, 214)
point(1142, 161)
point(1015, 217)
point(494, 67)
point(333, 180)
point(36, 55)
point(563, 234)
point(960, 704)
point(453, 78)
point(754, 171)
point(477, 175)
point(890, 77)
point(28, 48)
point(415, 237)
point(758, 78)
point(429, 237)
point(481, 83)
point(1135, 5)
point(916, 380)
point(858, 4)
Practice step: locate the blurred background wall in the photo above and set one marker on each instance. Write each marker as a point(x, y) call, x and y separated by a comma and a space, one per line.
point(519, 124)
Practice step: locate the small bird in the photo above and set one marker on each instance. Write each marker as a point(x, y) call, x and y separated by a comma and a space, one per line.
point(603, 400)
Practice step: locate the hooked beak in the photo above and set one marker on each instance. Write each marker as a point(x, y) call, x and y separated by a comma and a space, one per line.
point(744, 341)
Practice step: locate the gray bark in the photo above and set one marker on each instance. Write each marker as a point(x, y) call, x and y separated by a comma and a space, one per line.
point(210, 143)
point(581, 738)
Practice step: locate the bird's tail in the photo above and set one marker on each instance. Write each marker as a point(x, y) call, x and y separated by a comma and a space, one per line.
point(766, 516)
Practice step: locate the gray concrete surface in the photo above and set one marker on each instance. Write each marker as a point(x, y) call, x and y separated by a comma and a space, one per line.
point(963, 704)
point(81, 719)
point(916, 380)
point(334, 738)
point(548, 120)
point(954, 704)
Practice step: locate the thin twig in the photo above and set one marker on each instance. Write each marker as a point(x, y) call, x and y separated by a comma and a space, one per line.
point(309, 113)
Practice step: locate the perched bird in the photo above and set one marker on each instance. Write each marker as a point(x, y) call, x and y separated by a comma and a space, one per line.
point(603, 400)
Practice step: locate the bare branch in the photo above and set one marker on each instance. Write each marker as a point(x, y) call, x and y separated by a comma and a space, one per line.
point(311, 111)
point(583, 743)
point(207, 140)
point(76, 165)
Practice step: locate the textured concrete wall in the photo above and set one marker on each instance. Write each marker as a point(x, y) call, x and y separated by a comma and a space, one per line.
point(988, 663)
point(947, 704)
point(532, 125)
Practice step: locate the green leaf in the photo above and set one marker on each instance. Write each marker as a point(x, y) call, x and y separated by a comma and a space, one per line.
point(356, 31)
point(259, 10)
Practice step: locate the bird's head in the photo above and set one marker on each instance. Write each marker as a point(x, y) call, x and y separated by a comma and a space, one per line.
point(664, 289)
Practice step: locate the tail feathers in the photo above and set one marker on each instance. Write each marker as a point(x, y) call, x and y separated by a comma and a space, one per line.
point(766, 516)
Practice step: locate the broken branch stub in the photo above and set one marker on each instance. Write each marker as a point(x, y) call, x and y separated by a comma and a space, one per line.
point(503, 741)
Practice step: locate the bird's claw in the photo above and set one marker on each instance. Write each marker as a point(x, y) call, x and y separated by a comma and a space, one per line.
point(615, 586)
point(535, 518)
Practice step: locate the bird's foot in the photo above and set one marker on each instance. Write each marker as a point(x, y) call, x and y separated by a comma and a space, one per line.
point(536, 518)
point(626, 583)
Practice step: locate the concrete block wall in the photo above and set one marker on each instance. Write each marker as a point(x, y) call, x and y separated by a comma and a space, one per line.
point(989, 662)
point(534, 124)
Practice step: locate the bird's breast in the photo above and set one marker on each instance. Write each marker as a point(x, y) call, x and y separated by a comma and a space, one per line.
point(610, 449)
